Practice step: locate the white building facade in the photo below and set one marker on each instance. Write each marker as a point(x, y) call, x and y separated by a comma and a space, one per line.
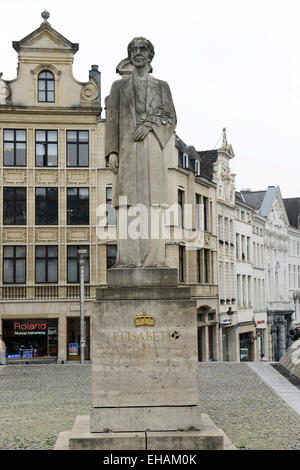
point(269, 204)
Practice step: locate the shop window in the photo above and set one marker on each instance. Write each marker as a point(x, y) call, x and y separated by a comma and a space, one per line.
point(30, 339)
point(73, 274)
point(14, 147)
point(78, 148)
point(14, 264)
point(73, 338)
point(46, 87)
point(46, 148)
point(46, 264)
point(78, 206)
point(111, 255)
point(46, 206)
point(14, 206)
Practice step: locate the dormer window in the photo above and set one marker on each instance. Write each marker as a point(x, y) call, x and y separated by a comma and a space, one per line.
point(46, 89)
point(185, 161)
point(197, 168)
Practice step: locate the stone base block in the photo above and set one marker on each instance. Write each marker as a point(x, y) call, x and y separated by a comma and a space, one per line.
point(142, 277)
point(80, 438)
point(146, 418)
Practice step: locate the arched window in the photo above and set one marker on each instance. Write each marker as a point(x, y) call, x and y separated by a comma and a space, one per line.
point(46, 87)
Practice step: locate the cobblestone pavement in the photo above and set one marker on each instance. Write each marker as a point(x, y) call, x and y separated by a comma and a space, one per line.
point(39, 401)
point(252, 416)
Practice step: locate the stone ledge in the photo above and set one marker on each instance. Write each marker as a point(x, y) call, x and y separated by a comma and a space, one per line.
point(143, 293)
point(80, 438)
point(146, 418)
point(142, 277)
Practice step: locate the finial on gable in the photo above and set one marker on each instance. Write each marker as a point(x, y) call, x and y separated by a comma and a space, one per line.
point(45, 15)
point(224, 142)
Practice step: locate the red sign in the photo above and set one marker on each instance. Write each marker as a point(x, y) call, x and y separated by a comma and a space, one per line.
point(260, 321)
point(29, 326)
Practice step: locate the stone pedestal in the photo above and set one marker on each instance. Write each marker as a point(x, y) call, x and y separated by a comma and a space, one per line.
point(144, 367)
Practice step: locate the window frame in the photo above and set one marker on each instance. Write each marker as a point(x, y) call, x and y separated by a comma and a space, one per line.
point(78, 209)
point(15, 142)
point(46, 258)
point(87, 259)
point(46, 143)
point(14, 263)
point(78, 143)
point(46, 91)
point(46, 222)
point(181, 262)
point(111, 215)
point(15, 188)
point(109, 257)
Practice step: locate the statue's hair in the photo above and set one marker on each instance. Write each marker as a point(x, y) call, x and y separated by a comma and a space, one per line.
point(149, 44)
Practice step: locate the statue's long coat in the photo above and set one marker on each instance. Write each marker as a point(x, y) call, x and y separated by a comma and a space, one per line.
point(142, 173)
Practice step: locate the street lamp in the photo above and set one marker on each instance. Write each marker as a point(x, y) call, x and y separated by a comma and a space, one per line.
point(81, 258)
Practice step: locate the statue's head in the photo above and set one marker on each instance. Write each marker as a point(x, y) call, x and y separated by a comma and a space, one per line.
point(140, 51)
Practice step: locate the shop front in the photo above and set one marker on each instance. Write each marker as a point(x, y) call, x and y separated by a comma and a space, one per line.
point(30, 339)
point(73, 339)
point(247, 347)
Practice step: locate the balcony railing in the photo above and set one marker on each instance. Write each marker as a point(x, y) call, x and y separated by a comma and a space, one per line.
point(46, 292)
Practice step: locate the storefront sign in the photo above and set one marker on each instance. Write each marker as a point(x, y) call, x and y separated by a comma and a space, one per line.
point(29, 326)
point(73, 349)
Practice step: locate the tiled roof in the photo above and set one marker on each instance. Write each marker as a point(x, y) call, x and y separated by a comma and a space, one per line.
point(253, 198)
point(207, 159)
point(292, 207)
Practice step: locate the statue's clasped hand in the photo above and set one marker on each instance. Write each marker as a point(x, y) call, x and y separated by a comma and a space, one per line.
point(141, 132)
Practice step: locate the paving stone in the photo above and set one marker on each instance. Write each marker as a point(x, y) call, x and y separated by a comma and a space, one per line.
point(40, 401)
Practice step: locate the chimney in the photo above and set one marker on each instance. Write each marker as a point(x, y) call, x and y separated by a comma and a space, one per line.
point(96, 75)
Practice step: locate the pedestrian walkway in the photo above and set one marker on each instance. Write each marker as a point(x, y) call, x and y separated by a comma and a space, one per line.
point(40, 401)
point(279, 384)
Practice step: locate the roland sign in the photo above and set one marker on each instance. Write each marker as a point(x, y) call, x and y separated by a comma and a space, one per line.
point(29, 328)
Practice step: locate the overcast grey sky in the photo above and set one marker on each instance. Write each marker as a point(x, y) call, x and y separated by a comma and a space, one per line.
point(229, 63)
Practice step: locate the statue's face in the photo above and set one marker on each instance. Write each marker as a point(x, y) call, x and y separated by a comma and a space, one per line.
point(140, 55)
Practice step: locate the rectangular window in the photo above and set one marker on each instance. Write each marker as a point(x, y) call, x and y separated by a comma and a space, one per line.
point(206, 265)
point(111, 255)
point(78, 148)
point(14, 206)
point(180, 158)
point(181, 263)
point(78, 206)
point(46, 206)
point(46, 264)
point(14, 147)
point(73, 270)
point(14, 264)
point(46, 148)
point(198, 211)
point(199, 276)
point(205, 210)
point(248, 248)
point(239, 293)
point(180, 207)
point(111, 216)
point(249, 291)
point(237, 245)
